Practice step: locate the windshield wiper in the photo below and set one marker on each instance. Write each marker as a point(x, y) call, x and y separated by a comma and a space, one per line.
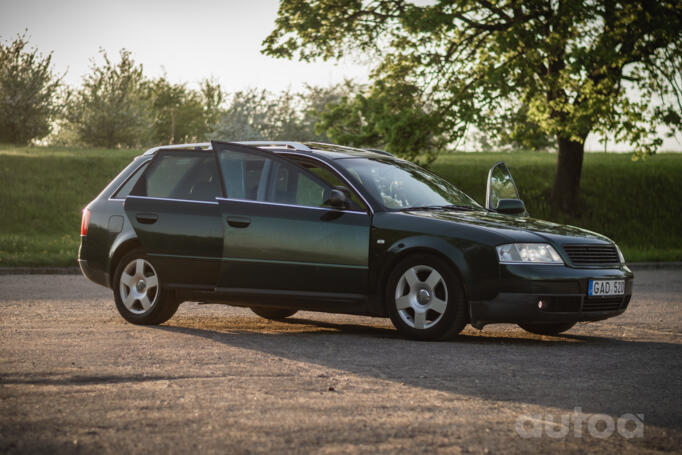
point(423, 207)
point(460, 207)
point(440, 207)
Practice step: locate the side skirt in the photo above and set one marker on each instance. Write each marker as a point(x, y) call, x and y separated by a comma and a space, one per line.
point(328, 302)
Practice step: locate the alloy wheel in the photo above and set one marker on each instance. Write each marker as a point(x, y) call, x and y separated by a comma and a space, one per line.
point(421, 297)
point(139, 286)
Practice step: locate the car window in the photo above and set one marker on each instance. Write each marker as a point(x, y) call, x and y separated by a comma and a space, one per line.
point(398, 184)
point(289, 185)
point(257, 177)
point(330, 178)
point(180, 175)
point(124, 190)
point(245, 174)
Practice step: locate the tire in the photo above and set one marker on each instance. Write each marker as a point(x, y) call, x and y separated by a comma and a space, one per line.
point(272, 313)
point(546, 328)
point(434, 307)
point(140, 298)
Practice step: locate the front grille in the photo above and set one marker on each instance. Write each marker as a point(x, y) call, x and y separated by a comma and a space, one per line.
point(602, 304)
point(592, 254)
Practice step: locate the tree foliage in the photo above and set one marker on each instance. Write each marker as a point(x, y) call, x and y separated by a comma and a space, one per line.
point(180, 114)
point(390, 116)
point(118, 106)
point(261, 115)
point(110, 109)
point(28, 92)
point(566, 68)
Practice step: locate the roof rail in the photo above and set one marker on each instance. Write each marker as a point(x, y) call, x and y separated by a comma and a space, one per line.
point(207, 146)
point(278, 144)
point(383, 152)
point(203, 145)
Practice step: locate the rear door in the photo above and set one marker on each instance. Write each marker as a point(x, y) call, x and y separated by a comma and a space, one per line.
point(174, 210)
point(280, 236)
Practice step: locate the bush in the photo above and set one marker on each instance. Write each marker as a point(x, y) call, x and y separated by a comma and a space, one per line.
point(111, 108)
point(28, 93)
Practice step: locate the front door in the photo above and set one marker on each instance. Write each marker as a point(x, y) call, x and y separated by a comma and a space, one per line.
point(279, 235)
point(176, 216)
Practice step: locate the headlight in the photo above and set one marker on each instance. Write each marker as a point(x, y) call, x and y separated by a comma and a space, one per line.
point(621, 258)
point(538, 253)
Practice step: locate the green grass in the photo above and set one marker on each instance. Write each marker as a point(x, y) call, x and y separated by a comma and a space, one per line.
point(42, 193)
point(638, 204)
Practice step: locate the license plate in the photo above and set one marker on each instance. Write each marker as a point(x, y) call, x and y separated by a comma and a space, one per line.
point(606, 287)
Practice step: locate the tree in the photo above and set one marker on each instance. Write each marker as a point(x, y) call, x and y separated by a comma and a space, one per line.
point(244, 117)
point(568, 66)
point(212, 98)
point(390, 116)
point(28, 92)
point(111, 109)
point(316, 100)
point(260, 115)
point(177, 113)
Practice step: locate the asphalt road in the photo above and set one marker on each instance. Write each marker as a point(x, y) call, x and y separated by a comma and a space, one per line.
point(76, 378)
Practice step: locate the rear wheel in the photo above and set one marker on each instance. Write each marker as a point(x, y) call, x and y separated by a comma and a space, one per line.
point(425, 299)
point(546, 328)
point(272, 313)
point(138, 291)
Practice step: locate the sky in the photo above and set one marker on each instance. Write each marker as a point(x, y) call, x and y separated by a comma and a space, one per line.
point(188, 40)
point(185, 40)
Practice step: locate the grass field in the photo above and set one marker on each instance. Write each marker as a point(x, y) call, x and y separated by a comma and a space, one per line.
point(638, 204)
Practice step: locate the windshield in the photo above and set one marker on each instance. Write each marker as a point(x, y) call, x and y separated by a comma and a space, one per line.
point(400, 185)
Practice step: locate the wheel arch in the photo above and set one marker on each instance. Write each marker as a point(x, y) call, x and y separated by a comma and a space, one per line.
point(118, 250)
point(418, 245)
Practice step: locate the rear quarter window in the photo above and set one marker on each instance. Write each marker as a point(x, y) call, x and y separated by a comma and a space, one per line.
point(180, 175)
point(127, 187)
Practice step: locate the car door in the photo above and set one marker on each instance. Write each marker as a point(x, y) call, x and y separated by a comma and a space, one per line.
point(279, 237)
point(176, 216)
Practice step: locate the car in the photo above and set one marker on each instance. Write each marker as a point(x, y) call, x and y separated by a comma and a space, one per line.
point(286, 226)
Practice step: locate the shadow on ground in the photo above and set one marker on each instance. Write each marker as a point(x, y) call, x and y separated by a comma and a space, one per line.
point(596, 373)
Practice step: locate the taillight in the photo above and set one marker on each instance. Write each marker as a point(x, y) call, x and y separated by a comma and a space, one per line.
point(85, 222)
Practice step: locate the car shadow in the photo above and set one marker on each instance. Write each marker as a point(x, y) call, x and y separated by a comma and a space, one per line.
point(597, 374)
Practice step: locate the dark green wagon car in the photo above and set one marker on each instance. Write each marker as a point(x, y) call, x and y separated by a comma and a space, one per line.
point(285, 226)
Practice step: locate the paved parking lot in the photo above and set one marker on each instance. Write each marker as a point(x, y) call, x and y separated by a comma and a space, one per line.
point(76, 378)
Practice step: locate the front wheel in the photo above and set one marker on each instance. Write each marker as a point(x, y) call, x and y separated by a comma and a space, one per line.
point(546, 328)
point(138, 291)
point(425, 299)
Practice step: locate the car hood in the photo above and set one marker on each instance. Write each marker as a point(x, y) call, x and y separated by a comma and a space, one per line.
point(516, 228)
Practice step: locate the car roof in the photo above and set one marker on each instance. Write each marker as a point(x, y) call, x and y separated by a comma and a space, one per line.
point(330, 151)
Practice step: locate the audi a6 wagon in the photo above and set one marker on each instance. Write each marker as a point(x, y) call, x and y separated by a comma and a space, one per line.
point(285, 226)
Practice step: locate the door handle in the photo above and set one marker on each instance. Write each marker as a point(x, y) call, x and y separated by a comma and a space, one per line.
point(147, 218)
point(238, 221)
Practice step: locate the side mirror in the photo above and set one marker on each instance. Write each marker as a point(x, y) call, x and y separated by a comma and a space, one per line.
point(338, 199)
point(510, 206)
point(501, 187)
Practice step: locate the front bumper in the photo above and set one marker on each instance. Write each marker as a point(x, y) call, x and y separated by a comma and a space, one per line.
point(561, 289)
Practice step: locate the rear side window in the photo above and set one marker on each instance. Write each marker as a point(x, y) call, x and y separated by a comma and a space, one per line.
point(180, 175)
point(245, 175)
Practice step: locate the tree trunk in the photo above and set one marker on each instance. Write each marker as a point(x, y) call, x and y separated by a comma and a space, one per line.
point(567, 180)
